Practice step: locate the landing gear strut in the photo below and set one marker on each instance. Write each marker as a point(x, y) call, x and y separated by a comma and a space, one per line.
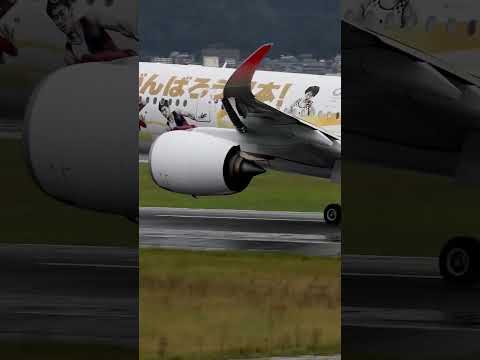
point(333, 214)
point(459, 261)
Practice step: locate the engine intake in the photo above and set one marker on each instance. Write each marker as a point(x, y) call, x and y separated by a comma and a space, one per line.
point(191, 162)
point(81, 137)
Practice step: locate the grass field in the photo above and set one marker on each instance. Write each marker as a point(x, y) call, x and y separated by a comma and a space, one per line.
point(390, 212)
point(213, 305)
point(31, 216)
point(270, 191)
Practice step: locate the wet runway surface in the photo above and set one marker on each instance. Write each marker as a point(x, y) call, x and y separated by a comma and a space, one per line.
point(391, 305)
point(304, 233)
point(69, 293)
point(402, 308)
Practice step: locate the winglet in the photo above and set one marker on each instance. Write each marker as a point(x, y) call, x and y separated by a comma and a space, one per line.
point(242, 77)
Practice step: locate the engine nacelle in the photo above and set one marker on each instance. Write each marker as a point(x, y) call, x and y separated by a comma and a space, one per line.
point(196, 163)
point(81, 137)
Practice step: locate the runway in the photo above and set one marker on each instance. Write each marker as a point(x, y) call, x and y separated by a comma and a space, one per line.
point(299, 233)
point(71, 294)
point(391, 305)
point(400, 307)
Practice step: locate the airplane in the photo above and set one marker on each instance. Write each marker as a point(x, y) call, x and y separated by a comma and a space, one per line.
point(33, 43)
point(237, 124)
point(417, 63)
point(67, 96)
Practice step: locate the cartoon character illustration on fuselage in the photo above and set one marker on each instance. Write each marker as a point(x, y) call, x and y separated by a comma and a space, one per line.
point(87, 38)
point(196, 92)
point(7, 31)
point(34, 42)
point(304, 106)
point(445, 30)
point(176, 119)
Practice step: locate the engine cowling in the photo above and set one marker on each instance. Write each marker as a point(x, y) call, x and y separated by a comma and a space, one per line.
point(81, 137)
point(195, 163)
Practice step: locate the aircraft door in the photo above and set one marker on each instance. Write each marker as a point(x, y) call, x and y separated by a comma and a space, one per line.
point(205, 107)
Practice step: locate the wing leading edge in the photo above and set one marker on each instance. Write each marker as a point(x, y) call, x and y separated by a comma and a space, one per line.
point(249, 114)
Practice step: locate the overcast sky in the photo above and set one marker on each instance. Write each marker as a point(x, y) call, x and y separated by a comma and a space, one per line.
point(295, 26)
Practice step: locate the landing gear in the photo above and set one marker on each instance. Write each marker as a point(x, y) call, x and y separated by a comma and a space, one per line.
point(333, 214)
point(459, 261)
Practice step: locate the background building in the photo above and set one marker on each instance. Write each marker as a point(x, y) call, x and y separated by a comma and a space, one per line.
point(231, 56)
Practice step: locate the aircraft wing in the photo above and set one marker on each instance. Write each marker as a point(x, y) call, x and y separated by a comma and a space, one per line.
point(429, 78)
point(406, 108)
point(250, 115)
point(419, 55)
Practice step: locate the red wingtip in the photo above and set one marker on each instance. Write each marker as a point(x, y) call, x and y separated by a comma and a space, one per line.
point(244, 74)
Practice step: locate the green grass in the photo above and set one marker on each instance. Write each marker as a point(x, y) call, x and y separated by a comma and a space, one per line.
point(270, 191)
point(222, 305)
point(391, 212)
point(61, 351)
point(20, 76)
point(31, 216)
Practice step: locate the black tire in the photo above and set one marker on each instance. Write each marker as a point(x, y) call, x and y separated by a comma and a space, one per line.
point(333, 214)
point(459, 261)
point(133, 219)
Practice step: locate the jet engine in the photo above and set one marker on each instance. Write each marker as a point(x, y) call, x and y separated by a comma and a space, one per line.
point(195, 163)
point(81, 137)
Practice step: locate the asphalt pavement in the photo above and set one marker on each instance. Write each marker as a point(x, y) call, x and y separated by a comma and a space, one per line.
point(200, 229)
point(72, 294)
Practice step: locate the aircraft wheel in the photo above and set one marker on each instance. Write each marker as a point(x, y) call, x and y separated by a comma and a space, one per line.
point(333, 214)
point(134, 219)
point(459, 261)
